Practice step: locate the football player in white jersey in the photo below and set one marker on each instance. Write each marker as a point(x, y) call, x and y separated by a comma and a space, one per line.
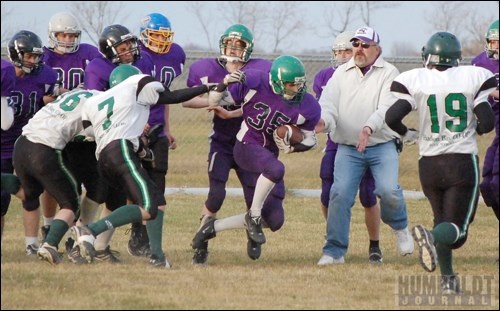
point(39, 165)
point(118, 117)
point(453, 108)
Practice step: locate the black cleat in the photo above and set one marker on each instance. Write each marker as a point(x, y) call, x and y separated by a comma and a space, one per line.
point(205, 233)
point(253, 249)
point(138, 244)
point(254, 228)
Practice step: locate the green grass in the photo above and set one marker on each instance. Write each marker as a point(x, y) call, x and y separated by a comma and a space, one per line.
point(285, 277)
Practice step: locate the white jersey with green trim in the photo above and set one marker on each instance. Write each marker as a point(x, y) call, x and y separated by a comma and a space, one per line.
point(59, 122)
point(122, 111)
point(445, 101)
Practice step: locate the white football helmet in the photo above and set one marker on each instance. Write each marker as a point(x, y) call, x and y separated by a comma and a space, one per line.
point(64, 22)
point(342, 42)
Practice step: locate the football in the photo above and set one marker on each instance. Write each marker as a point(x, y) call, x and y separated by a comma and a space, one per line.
point(297, 135)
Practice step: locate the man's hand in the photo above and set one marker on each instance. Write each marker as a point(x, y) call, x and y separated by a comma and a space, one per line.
point(363, 137)
point(411, 137)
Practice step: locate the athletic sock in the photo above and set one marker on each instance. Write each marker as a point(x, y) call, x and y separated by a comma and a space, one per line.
point(121, 216)
point(155, 234)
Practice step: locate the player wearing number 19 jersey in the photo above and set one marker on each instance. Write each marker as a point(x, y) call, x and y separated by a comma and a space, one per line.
point(453, 108)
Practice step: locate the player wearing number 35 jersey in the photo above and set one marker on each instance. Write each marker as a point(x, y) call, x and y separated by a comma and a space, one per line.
point(453, 108)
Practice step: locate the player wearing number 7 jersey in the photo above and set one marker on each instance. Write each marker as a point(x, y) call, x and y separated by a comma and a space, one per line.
point(453, 108)
point(118, 117)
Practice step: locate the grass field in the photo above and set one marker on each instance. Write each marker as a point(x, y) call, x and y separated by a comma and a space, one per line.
point(285, 277)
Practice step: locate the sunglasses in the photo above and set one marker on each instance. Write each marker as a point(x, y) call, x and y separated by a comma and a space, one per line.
point(364, 45)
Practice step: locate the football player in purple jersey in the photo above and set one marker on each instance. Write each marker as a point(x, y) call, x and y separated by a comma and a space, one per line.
point(156, 41)
point(489, 60)
point(36, 84)
point(68, 57)
point(269, 99)
point(119, 46)
point(8, 75)
point(236, 46)
point(341, 53)
point(8, 82)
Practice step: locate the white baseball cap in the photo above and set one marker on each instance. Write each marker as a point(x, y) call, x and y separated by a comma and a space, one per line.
point(366, 34)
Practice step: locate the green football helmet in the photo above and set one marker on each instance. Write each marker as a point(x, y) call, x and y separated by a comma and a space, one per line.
point(121, 73)
point(290, 69)
point(442, 49)
point(240, 32)
point(491, 34)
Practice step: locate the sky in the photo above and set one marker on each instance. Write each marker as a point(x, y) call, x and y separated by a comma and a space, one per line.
point(404, 24)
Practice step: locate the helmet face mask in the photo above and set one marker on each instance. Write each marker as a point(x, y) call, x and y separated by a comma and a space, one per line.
point(287, 70)
point(122, 73)
point(66, 23)
point(492, 35)
point(442, 49)
point(228, 41)
point(111, 40)
point(156, 33)
point(22, 43)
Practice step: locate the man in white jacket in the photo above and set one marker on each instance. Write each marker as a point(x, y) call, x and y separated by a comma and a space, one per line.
point(353, 105)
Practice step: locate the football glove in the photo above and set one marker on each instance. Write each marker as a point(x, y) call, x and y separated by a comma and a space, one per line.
point(284, 143)
point(411, 137)
point(215, 96)
point(235, 77)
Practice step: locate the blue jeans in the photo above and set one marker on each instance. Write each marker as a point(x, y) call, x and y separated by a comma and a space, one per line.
point(350, 166)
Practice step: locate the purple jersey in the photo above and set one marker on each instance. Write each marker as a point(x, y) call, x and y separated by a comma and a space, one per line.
point(320, 81)
point(8, 77)
point(70, 67)
point(264, 111)
point(167, 68)
point(98, 71)
point(211, 70)
point(26, 99)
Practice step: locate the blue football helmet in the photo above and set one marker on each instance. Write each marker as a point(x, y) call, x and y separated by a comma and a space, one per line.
point(156, 24)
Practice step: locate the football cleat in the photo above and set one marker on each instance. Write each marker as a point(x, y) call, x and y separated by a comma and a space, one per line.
point(254, 228)
point(205, 233)
point(425, 241)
